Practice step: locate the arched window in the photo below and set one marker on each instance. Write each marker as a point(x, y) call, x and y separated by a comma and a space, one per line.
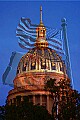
point(33, 64)
point(44, 100)
point(17, 71)
point(61, 67)
point(14, 99)
point(18, 99)
point(24, 68)
point(31, 98)
point(43, 33)
point(53, 65)
point(26, 98)
point(37, 99)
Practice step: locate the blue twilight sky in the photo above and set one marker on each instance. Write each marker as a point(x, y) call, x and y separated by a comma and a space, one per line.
point(53, 12)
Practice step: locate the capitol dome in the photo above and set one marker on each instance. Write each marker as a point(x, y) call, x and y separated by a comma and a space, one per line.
point(41, 60)
point(36, 66)
point(39, 63)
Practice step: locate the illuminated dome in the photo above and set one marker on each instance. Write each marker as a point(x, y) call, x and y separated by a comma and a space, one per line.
point(40, 60)
point(39, 63)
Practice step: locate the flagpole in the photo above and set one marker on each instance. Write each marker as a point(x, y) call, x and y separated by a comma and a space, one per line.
point(66, 48)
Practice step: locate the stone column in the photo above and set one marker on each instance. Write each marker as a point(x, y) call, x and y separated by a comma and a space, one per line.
point(21, 65)
point(57, 66)
point(40, 99)
point(26, 67)
point(34, 99)
point(47, 64)
point(21, 98)
point(48, 102)
point(50, 64)
point(29, 64)
point(39, 64)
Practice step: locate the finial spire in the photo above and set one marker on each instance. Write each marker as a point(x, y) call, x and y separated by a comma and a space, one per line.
point(40, 14)
point(41, 41)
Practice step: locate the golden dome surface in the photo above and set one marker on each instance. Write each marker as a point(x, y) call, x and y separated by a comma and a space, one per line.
point(40, 60)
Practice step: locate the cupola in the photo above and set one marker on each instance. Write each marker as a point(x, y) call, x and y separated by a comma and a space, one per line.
point(41, 41)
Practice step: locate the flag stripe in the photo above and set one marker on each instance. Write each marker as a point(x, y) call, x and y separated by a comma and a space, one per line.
point(27, 43)
point(55, 41)
point(24, 47)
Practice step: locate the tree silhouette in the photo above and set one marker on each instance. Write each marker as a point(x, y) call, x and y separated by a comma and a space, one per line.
point(26, 111)
point(53, 88)
point(66, 101)
point(2, 113)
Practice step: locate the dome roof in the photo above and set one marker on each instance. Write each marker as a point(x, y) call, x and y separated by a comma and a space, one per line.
point(46, 53)
point(40, 60)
